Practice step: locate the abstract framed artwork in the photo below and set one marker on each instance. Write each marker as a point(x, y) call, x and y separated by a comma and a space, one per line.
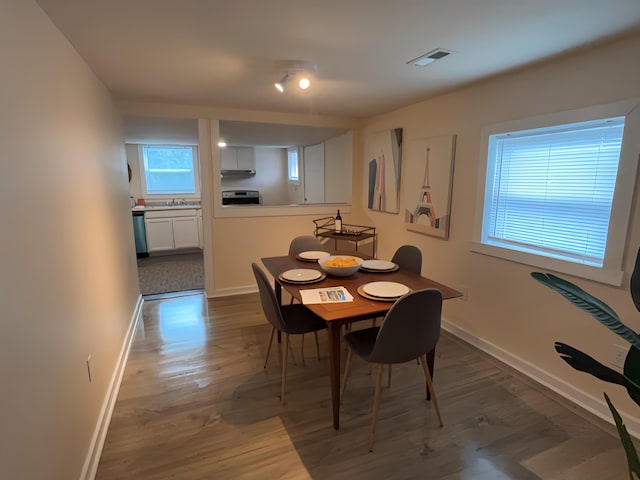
point(384, 155)
point(428, 185)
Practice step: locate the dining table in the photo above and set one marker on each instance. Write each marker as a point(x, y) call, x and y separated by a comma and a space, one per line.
point(344, 313)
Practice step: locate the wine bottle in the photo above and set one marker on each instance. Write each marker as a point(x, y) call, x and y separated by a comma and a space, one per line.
point(338, 222)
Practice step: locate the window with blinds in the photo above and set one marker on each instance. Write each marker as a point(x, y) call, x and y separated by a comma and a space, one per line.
point(169, 170)
point(293, 166)
point(551, 189)
point(556, 191)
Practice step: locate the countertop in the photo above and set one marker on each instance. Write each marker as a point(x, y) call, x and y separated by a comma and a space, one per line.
point(146, 208)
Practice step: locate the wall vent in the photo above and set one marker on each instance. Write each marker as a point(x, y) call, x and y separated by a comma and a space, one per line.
point(430, 57)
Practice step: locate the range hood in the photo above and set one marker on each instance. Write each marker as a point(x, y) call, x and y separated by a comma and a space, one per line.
point(237, 173)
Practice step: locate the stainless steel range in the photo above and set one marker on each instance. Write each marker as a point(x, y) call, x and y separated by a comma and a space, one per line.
point(240, 197)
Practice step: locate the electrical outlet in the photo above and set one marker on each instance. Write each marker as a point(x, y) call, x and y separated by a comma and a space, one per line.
point(89, 367)
point(465, 293)
point(618, 355)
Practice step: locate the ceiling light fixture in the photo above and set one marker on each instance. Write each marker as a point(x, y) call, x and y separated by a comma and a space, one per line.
point(298, 74)
point(280, 85)
point(304, 82)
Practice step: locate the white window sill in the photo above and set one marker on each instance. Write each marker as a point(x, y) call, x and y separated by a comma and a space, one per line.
point(605, 275)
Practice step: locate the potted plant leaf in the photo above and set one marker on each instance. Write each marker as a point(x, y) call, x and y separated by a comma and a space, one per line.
point(630, 376)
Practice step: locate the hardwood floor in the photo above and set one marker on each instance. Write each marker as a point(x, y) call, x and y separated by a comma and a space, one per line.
point(195, 403)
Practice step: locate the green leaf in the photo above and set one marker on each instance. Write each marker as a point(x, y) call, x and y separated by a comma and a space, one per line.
point(632, 373)
point(590, 304)
point(584, 363)
point(632, 456)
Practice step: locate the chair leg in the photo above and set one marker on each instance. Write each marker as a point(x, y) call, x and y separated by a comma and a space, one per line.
point(389, 377)
point(273, 331)
point(293, 357)
point(376, 405)
point(317, 345)
point(302, 350)
point(285, 355)
point(347, 368)
point(423, 361)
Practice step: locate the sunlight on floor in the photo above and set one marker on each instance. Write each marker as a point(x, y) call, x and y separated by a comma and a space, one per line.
point(181, 323)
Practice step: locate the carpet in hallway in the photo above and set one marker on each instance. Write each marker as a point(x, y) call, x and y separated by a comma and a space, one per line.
point(170, 273)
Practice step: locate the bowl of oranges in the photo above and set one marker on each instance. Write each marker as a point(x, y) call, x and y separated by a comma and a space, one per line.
point(340, 265)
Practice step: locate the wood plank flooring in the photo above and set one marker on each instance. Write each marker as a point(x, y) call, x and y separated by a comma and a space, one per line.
point(195, 403)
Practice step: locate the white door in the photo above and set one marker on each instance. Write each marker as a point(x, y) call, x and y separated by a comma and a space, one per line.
point(313, 158)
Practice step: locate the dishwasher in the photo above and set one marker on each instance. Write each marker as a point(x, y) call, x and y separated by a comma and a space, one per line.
point(140, 235)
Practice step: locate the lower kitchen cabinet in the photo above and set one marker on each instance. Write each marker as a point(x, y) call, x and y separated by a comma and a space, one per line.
point(172, 230)
point(185, 232)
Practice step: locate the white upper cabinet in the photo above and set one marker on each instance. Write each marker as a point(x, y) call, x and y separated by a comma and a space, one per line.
point(237, 158)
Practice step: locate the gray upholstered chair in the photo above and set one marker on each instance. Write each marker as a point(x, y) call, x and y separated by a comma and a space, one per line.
point(408, 257)
point(305, 243)
point(411, 329)
point(288, 319)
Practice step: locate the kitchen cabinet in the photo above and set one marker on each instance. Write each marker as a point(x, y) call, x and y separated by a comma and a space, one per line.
point(172, 229)
point(185, 232)
point(159, 234)
point(237, 158)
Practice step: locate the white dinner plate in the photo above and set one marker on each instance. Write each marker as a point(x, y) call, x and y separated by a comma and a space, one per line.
point(301, 275)
point(385, 289)
point(313, 255)
point(380, 265)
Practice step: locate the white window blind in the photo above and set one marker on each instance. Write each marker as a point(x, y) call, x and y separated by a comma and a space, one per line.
point(169, 170)
point(550, 190)
point(293, 169)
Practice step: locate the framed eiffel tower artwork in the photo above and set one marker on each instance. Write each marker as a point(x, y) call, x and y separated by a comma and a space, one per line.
point(428, 182)
point(384, 156)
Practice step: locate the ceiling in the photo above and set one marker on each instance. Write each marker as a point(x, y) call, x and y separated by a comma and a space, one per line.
point(229, 53)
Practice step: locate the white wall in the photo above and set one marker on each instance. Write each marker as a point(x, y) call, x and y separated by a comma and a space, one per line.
point(270, 178)
point(68, 284)
point(132, 152)
point(507, 312)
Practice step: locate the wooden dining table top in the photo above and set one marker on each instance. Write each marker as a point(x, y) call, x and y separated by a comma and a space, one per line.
point(360, 307)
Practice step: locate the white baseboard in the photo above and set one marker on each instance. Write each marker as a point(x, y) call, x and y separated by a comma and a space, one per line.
point(227, 292)
point(597, 407)
point(102, 426)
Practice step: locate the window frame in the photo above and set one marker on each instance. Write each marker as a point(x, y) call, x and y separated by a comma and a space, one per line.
point(611, 271)
point(161, 196)
point(292, 181)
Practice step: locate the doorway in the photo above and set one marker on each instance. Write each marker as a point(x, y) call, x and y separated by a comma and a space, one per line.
point(164, 267)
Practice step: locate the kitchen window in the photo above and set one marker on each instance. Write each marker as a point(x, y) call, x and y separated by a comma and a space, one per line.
point(557, 193)
point(293, 166)
point(170, 170)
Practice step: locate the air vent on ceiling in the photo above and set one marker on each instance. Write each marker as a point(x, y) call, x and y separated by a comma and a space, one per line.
point(430, 57)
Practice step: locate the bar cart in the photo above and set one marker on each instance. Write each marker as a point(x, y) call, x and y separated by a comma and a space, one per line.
point(325, 228)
